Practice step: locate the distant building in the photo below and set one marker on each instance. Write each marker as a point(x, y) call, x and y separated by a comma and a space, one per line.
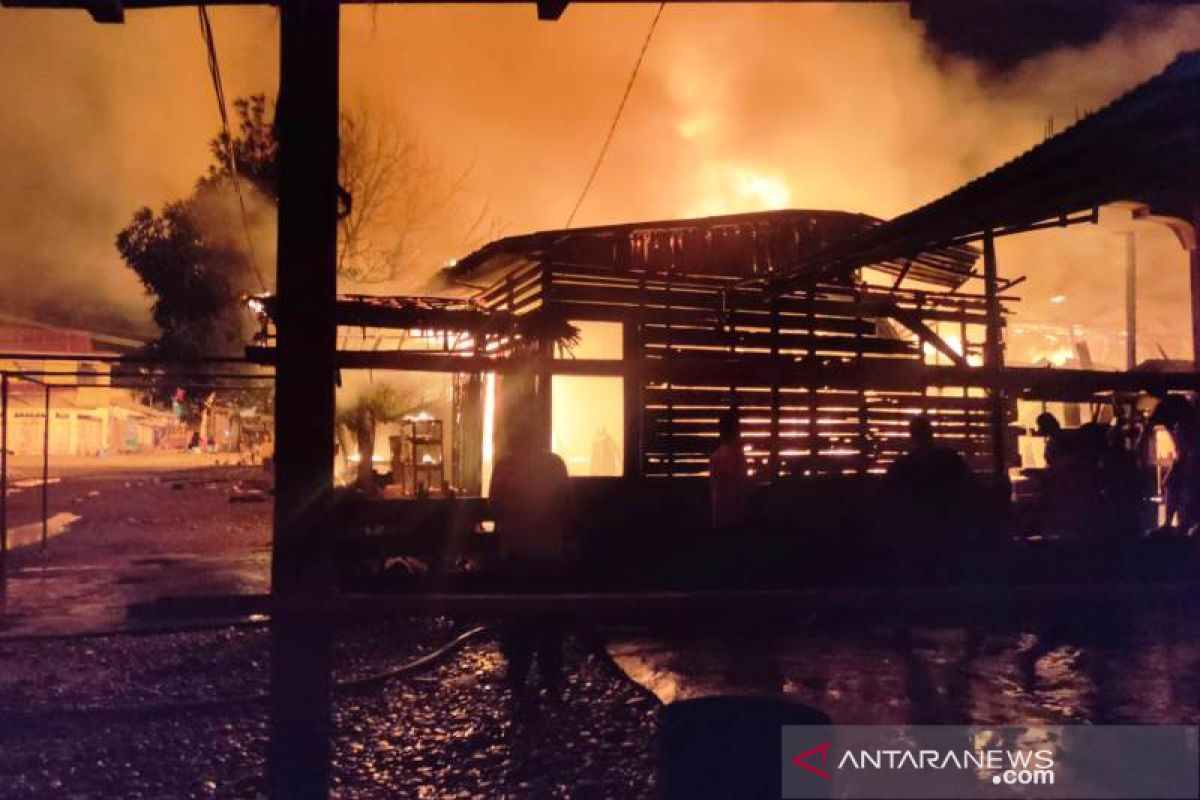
point(87, 416)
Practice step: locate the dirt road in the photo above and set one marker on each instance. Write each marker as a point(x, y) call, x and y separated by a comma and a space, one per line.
point(140, 534)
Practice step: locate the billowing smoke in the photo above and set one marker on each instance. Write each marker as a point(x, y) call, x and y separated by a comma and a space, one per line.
point(737, 108)
point(97, 122)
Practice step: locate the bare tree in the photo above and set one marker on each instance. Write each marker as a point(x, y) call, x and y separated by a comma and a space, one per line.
point(398, 198)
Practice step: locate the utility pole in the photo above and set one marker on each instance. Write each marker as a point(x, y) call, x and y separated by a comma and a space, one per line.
point(298, 756)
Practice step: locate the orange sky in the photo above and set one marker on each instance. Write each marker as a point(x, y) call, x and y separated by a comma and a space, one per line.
point(737, 109)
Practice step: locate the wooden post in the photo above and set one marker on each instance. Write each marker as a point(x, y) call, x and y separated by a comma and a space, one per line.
point(864, 430)
point(734, 401)
point(968, 450)
point(3, 481)
point(670, 398)
point(773, 461)
point(545, 370)
point(814, 432)
point(635, 400)
point(46, 468)
point(1194, 264)
point(306, 276)
point(1131, 299)
point(993, 356)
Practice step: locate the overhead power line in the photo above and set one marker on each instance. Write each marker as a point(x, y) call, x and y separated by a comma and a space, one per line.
point(214, 69)
point(612, 129)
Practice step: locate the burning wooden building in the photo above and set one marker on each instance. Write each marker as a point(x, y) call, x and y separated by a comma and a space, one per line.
point(825, 331)
point(629, 341)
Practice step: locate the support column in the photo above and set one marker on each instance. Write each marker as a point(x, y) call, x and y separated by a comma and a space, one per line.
point(993, 357)
point(306, 279)
point(3, 484)
point(545, 366)
point(632, 353)
point(773, 459)
point(1130, 300)
point(46, 468)
point(1194, 264)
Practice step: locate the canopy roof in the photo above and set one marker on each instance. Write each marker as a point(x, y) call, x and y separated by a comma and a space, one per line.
point(1144, 146)
point(735, 245)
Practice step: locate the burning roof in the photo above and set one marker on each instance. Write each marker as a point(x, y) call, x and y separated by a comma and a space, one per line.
point(736, 245)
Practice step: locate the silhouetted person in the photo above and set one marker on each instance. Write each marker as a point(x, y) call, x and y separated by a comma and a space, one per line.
point(530, 497)
point(1071, 493)
point(930, 485)
point(1120, 484)
point(1059, 445)
point(728, 483)
point(1182, 484)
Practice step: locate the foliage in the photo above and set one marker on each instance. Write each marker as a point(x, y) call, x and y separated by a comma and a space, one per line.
point(198, 257)
point(197, 279)
point(255, 148)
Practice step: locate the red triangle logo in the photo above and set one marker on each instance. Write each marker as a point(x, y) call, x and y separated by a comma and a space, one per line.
point(801, 760)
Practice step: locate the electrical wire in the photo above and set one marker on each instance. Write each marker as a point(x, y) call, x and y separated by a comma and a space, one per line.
point(214, 70)
point(612, 129)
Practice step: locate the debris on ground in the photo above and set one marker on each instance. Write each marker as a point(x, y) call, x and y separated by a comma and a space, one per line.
point(250, 491)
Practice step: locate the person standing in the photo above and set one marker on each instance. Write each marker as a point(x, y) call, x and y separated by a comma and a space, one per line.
point(728, 483)
point(929, 490)
point(1182, 484)
point(530, 498)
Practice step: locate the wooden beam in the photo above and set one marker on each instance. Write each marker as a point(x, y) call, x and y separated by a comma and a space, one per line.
point(926, 334)
point(884, 374)
point(993, 356)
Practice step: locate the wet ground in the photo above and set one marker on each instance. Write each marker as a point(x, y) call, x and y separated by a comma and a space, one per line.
point(181, 714)
point(1109, 666)
point(131, 717)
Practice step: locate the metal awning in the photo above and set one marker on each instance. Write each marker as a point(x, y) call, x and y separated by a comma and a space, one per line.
point(1144, 146)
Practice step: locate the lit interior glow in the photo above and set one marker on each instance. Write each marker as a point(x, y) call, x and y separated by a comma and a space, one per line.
point(588, 421)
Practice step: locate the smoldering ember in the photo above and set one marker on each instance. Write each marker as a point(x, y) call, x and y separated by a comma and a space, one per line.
point(558, 399)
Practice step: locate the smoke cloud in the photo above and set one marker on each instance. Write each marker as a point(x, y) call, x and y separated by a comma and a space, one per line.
point(737, 108)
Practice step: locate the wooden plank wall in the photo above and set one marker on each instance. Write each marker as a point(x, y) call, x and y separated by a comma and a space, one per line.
point(789, 431)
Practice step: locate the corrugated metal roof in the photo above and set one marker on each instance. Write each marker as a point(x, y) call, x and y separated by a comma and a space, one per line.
point(1142, 144)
